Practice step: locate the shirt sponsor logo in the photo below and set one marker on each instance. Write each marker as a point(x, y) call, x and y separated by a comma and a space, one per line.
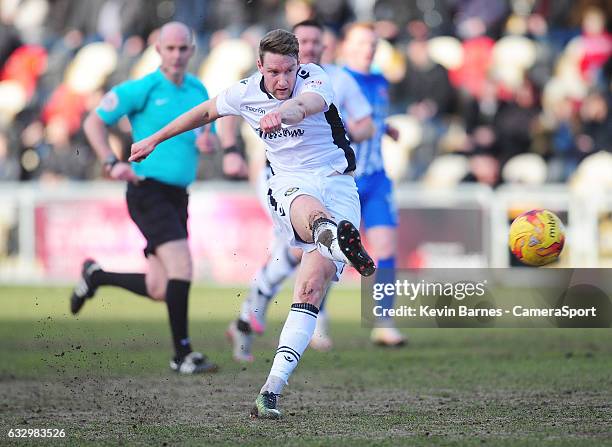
point(255, 110)
point(283, 133)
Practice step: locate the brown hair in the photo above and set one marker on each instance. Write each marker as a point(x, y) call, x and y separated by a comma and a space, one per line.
point(280, 42)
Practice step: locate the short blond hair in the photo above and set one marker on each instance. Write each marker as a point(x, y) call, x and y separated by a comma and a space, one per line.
point(279, 41)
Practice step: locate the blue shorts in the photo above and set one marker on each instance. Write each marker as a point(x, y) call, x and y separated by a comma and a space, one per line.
point(376, 197)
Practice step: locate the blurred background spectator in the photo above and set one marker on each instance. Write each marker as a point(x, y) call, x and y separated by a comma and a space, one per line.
point(476, 84)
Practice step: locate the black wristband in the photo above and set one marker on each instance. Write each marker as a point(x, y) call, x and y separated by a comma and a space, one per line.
point(111, 161)
point(233, 149)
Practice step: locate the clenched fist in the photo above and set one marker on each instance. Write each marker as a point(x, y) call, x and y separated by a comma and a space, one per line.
point(270, 122)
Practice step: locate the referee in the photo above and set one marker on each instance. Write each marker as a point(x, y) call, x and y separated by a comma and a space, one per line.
point(156, 195)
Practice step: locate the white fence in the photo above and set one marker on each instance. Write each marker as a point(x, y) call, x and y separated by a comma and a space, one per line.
point(46, 230)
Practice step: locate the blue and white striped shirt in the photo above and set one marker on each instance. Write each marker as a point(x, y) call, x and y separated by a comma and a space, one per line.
point(368, 153)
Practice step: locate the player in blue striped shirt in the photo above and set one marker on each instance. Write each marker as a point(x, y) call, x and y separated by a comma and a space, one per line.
point(378, 211)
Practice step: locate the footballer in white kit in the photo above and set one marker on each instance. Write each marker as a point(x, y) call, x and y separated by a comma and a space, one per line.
point(356, 113)
point(312, 191)
point(307, 158)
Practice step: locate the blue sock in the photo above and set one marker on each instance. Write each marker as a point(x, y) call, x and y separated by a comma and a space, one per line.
point(385, 273)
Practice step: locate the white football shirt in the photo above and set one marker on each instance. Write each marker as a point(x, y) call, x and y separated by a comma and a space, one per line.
point(317, 143)
point(348, 97)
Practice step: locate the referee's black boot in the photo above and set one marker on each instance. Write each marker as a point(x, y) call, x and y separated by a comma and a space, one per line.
point(85, 288)
point(193, 363)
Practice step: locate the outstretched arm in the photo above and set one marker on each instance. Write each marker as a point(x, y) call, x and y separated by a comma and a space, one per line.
point(198, 116)
point(293, 111)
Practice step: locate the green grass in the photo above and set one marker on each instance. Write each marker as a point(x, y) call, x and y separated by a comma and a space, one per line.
point(103, 377)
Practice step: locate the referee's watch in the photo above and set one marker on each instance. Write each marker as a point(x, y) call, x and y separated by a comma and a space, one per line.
point(110, 162)
point(234, 149)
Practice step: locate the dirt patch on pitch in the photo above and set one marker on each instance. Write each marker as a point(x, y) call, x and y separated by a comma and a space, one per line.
point(216, 409)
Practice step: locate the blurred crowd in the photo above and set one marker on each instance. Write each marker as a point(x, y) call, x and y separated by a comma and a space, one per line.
point(486, 91)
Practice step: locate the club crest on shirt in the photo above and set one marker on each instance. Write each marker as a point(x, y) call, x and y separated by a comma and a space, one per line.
point(291, 191)
point(314, 83)
point(109, 102)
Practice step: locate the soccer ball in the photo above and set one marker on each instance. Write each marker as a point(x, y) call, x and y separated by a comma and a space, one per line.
point(537, 237)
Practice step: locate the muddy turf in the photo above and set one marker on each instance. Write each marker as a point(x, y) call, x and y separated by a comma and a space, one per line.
point(104, 379)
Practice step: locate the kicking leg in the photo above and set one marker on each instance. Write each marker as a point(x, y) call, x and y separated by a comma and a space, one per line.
point(338, 242)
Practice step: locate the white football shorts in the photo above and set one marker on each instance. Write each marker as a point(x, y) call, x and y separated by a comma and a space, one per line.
point(337, 193)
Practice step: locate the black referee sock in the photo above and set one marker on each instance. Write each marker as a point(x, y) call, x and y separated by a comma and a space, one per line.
point(134, 282)
point(177, 295)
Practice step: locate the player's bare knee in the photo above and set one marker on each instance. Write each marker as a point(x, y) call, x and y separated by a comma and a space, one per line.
point(159, 295)
point(157, 291)
point(156, 282)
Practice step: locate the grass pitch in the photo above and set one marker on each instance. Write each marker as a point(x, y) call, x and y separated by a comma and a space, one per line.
point(103, 377)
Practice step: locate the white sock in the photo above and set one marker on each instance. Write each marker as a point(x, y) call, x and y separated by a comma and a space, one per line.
point(268, 282)
point(293, 341)
point(273, 385)
point(325, 235)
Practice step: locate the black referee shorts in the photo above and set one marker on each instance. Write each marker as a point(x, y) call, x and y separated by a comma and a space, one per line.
point(159, 210)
